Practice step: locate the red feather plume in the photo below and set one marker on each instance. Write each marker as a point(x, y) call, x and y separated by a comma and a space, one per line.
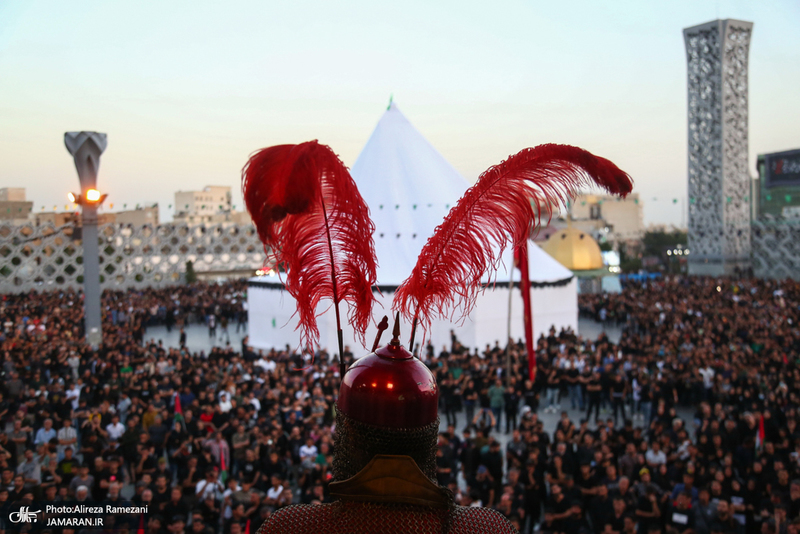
point(309, 213)
point(501, 208)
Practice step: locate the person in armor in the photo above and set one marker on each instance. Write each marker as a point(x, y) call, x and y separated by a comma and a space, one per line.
point(384, 464)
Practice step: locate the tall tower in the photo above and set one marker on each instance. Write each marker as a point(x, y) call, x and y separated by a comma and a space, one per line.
point(719, 184)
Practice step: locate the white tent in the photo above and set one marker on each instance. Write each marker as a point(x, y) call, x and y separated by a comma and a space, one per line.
point(409, 188)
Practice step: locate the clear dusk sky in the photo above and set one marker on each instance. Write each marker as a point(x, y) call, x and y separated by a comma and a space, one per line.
point(186, 90)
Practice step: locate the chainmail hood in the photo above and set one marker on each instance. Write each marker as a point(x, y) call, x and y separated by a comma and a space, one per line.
point(356, 443)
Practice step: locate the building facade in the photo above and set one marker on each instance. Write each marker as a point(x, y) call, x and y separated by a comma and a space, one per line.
point(776, 216)
point(211, 200)
point(13, 206)
point(137, 217)
point(617, 219)
point(776, 190)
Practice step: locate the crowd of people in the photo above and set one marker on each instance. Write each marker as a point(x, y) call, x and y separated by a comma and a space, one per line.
point(688, 424)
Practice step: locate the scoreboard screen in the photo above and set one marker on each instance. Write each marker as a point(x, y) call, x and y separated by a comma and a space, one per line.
point(782, 169)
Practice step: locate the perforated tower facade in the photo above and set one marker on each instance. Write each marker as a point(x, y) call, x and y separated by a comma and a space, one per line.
point(719, 184)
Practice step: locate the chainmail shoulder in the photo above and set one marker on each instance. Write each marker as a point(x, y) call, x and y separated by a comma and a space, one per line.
point(372, 518)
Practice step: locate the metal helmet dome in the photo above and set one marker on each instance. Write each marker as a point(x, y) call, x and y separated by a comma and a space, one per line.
point(390, 388)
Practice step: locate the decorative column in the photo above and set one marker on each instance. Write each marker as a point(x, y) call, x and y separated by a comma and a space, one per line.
point(719, 184)
point(86, 148)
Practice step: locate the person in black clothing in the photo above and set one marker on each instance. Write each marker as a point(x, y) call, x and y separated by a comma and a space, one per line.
point(176, 505)
point(470, 395)
point(444, 467)
point(606, 378)
point(648, 510)
point(566, 426)
point(483, 486)
point(601, 508)
point(67, 467)
point(557, 510)
point(619, 388)
point(664, 390)
point(189, 475)
point(169, 320)
point(511, 407)
point(530, 396)
point(618, 515)
point(469, 455)
point(493, 460)
point(645, 398)
point(681, 516)
point(572, 377)
point(249, 470)
point(594, 391)
point(576, 522)
point(534, 484)
point(18, 489)
point(586, 480)
point(161, 492)
point(447, 391)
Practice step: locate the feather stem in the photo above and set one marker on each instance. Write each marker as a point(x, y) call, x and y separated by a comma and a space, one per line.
point(335, 292)
point(413, 332)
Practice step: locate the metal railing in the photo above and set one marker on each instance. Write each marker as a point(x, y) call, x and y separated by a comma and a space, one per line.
point(47, 257)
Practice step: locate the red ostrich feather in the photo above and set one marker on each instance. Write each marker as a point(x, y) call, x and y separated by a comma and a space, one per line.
point(500, 209)
point(312, 220)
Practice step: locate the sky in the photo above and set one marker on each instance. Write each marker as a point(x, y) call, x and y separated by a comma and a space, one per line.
point(187, 90)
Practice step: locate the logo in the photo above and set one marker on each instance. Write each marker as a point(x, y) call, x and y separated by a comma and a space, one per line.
point(24, 515)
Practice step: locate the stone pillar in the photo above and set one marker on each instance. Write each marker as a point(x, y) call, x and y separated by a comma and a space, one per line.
point(86, 148)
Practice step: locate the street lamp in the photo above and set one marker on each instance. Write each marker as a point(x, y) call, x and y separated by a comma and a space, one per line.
point(91, 197)
point(86, 148)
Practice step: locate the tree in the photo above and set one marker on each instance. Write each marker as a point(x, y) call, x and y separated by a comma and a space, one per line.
point(656, 242)
point(191, 276)
point(628, 263)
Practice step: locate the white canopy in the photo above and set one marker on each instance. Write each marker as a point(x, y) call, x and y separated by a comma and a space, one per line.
point(409, 188)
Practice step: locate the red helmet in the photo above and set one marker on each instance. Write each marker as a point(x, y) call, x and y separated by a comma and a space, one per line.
point(390, 388)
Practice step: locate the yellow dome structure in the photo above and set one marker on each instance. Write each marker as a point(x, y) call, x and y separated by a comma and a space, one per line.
point(574, 249)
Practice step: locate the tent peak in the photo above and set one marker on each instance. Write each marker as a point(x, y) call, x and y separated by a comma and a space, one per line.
point(409, 188)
